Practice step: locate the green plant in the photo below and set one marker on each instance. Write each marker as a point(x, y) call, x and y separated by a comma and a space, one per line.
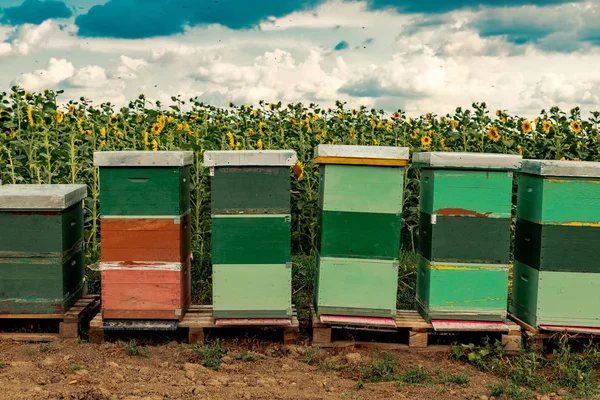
point(310, 354)
point(576, 370)
point(246, 356)
point(447, 378)
point(3, 365)
point(47, 348)
point(381, 369)
point(75, 367)
point(497, 390)
point(359, 384)
point(133, 350)
point(209, 355)
point(515, 392)
point(415, 376)
point(331, 366)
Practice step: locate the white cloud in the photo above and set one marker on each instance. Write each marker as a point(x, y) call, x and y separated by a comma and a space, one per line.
point(91, 76)
point(32, 37)
point(129, 66)
point(57, 71)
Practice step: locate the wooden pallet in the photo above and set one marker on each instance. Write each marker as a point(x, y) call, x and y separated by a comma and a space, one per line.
point(69, 326)
point(538, 338)
point(200, 317)
point(410, 324)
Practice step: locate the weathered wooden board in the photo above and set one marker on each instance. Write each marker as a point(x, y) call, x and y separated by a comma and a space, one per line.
point(562, 201)
point(146, 239)
point(40, 233)
point(359, 235)
point(47, 197)
point(347, 286)
point(486, 194)
point(250, 190)
point(361, 189)
point(462, 290)
point(146, 293)
point(555, 298)
point(40, 285)
point(262, 291)
point(256, 239)
point(557, 247)
point(464, 239)
point(144, 191)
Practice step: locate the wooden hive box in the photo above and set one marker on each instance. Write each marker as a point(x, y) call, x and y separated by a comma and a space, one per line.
point(251, 233)
point(359, 219)
point(41, 248)
point(145, 234)
point(556, 275)
point(464, 234)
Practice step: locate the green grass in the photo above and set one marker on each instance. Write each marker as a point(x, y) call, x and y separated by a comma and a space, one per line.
point(3, 365)
point(449, 378)
point(497, 390)
point(132, 349)
point(414, 376)
point(75, 367)
point(247, 357)
point(310, 354)
point(209, 355)
point(47, 348)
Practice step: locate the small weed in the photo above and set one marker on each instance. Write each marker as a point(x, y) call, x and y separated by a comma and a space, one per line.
point(47, 348)
point(331, 366)
point(448, 378)
point(310, 354)
point(496, 390)
point(75, 368)
point(380, 370)
point(518, 393)
point(359, 384)
point(248, 357)
point(415, 376)
point(133, 350)
point(3, 365)
point(81, 341)
point(209, 354)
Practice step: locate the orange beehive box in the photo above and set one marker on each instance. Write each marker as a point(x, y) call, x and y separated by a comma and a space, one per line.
point(145, 290)
point(145, 239)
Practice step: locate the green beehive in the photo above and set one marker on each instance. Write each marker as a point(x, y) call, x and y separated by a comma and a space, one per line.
point(360, 214)
point(464, 234)
point(251, 233)
point(556, 279)
point(41, 248)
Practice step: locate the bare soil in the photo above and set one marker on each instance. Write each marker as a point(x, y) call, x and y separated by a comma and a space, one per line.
point(68, 370)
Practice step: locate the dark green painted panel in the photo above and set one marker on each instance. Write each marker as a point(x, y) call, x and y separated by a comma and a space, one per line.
point(251, 240)
point(359, 235)
point(250, 190)
point(40, 234)
point(355, 312)
point(144, 191)
point(556, 247)
point(465, 239)
point(524, 301)
point(34, 285)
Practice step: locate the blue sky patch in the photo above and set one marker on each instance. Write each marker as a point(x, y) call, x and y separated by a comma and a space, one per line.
point(34, 12)
point(341, 46)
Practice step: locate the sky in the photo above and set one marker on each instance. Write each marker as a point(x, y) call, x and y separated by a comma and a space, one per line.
point(419, 56)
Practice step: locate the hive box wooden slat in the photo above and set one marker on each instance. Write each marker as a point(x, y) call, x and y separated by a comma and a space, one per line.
point(251, 233)
point(41, 248)
point(145, 234)
point(464, 234)
point(556, 277)
point(360, 214)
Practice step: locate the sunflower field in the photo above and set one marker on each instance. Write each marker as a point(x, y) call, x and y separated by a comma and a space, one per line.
point(42, 141)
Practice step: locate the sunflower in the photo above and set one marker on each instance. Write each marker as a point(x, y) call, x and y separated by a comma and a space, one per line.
point(526, 126)
point(428, 116)
point(259, 144)
point(494, 134)
point(375, 142)
point(299, 170)
point(413, 135)
point(30, 116)
point(103, 133)
point(576, 126)
point(425, 141)
point(352, 134)
point(139, 118)
point(231, 139)
point(546, 125)
point(271, 106)
point(155, 128)
point(170, 120)
point(396, 115)
point(261, 126)
point(146, 141)
point(498, 113)
point(255, 113)
point(455, 124)
point(293, 121)
point(59, 116)
point(71, 109)
point(520, 149)
point(154, 145)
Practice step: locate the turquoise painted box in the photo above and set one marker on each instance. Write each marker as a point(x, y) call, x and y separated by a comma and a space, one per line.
point(556, 275)
point(251, 233)
point(359, 219)
point(464, 234)
point(41, 248)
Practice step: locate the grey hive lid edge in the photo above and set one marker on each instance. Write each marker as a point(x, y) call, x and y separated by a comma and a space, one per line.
point(41, 197)
point(352, 151)
point(233, 158)
point(143, 158)
point(467, 160)
point(583, 169)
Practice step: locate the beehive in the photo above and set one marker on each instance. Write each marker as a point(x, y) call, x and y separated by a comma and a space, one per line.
point(145, 234)
point(360, 214)
point(251, 233)
point(464, 234)
point(41, 248)
point(555, 279)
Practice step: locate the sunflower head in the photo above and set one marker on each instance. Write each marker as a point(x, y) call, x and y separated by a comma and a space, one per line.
point(156, 128)
point(299, 170)
point(428, 116)
point(455, 124)
point(425, 141)
point(576, 126)
point(413, 135)
point(526, 126)
point(396, 115)
point(546, 126)
point(520, 149)
point(494, 134)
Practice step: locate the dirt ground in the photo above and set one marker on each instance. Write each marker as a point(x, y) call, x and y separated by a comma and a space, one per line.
point(69, 370)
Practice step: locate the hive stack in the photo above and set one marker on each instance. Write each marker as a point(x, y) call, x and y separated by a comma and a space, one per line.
point(556, 280)
point(360, 214)
point(145, 234)
point(251, 233)
point(464, 234)
point(41, 248)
